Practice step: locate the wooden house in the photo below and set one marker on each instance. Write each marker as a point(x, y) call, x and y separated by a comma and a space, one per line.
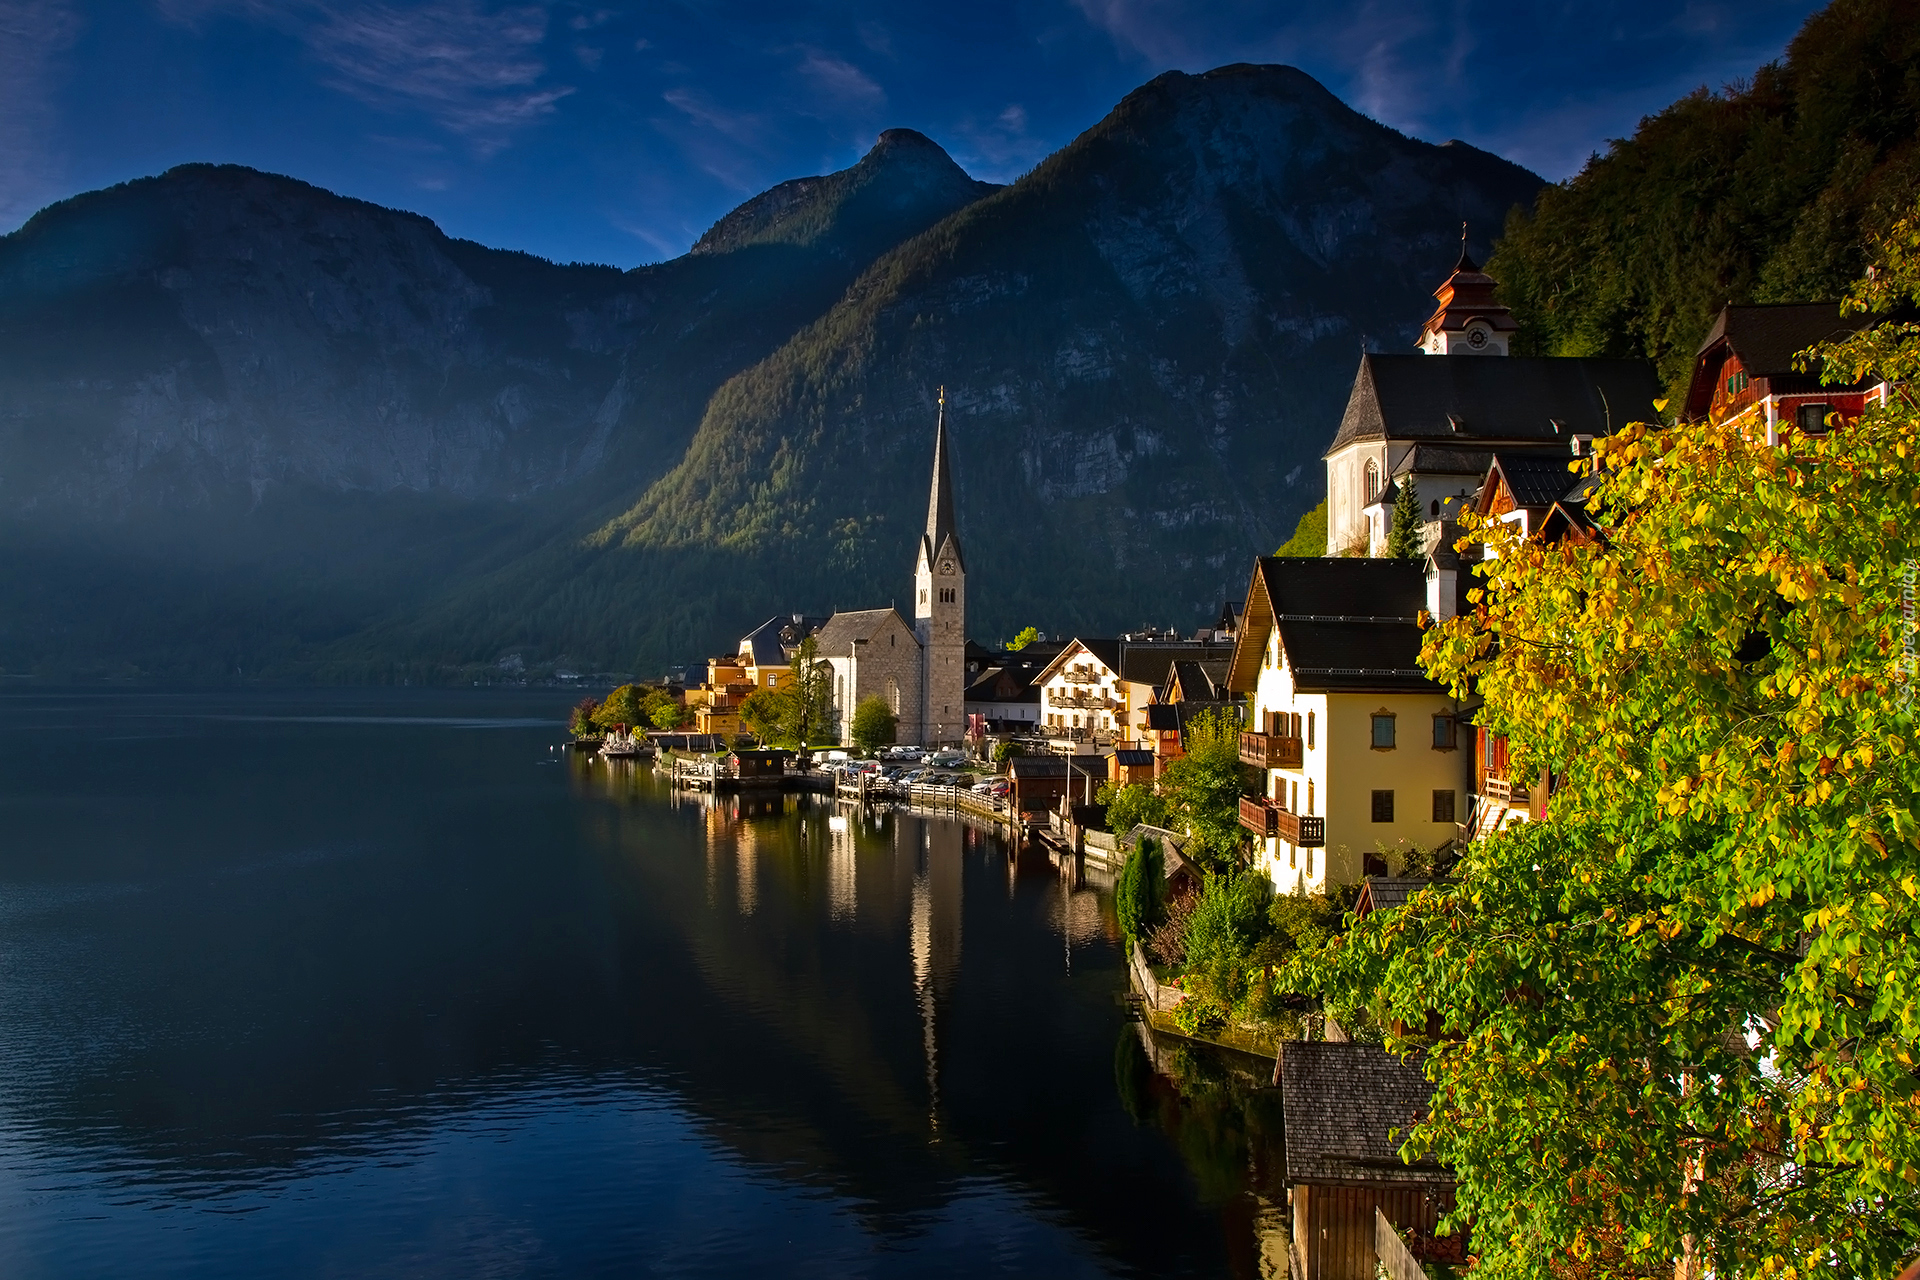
point(1746, 371)
point(1347, 1108)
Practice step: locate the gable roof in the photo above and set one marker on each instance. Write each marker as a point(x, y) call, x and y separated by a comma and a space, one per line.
point(1341, 1101)
point(1149, 661)
point(1531, 479)
point(1345, 624)
point(767, 644)
point(1513, 399)
point(836, 639)
point(1132, 758)
point(1105, 651)
point(1381, 893)
point(1037, 766)
point(1765, 339)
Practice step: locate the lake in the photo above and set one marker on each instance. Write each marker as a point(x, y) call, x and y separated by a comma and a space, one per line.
point(373, 983)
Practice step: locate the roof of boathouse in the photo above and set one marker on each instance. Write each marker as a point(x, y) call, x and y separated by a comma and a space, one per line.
point(1347, 1109)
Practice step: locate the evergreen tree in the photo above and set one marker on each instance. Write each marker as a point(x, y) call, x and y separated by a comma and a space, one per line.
point(1404, 538)
point(1138, 895)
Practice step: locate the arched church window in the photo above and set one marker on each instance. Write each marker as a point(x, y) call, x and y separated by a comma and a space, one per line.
point(893, 696)
point(1373, 480)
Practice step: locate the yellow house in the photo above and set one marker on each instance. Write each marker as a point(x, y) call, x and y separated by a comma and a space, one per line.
point(1356, 748)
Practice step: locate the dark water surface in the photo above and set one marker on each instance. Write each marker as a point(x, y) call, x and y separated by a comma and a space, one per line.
point(370, 984)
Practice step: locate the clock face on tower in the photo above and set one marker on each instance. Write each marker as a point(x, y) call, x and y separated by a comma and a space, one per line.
point(946, 567)
point(1476, 338)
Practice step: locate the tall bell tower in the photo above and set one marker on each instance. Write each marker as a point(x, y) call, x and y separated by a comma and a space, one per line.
point(940, 605)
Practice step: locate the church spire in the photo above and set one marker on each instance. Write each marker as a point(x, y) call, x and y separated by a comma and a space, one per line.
point(1469, 319)
point(940, 497)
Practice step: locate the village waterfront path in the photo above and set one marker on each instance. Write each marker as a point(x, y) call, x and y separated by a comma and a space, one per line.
point(349, 983)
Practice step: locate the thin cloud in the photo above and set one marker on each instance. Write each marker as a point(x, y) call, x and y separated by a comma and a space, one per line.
point(474, 71)
point(839, 80)
point(33, 34)
point(1000, 149)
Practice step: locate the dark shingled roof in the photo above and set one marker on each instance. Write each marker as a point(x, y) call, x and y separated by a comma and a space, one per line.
point(1132, 758)
point(1341, 1100)
point(1537, 480)
point(768, 643)
point(1147, 662)
point(1038, 766)
point(836, 638)
point(1504, 399)
point(1346, 624)
point(1766, 338)
point(1381, 893)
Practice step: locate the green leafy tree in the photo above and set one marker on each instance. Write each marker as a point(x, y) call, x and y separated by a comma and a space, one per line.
point(1138, 895)
point(1680, 1019)
point(1131, 805)
point(1202, 789)
point(1309, 535)
point(809, 696)
point(623, 706)
point(1404, 540)
point(874, 724)
point(1006, 751)
point(1026, 637)
point(580, 724)
point(767, 713)
point(1227, 945)
point(668, 714)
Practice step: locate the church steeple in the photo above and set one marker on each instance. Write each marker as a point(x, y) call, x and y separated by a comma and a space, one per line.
point(940, 498)
point(940, 604)
point(1469, 321)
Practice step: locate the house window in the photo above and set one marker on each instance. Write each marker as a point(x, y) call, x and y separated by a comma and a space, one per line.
point(1443, 739)
point(1373, 480)
point(1309, 730)
point(1736, 382)
point(770, 680)
point(1383, 806)
point(1309, 797)
point(1383, 730)
point(1295, 806)
point(1443, 806)
point(1812, 418)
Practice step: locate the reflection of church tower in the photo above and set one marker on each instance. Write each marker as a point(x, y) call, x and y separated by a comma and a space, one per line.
point(940, 606)
point(933, 937)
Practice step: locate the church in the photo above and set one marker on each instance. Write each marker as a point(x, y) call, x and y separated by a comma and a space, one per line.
point(919, 669)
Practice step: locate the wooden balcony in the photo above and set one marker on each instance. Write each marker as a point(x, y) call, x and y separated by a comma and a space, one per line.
point(1300, 830)
point(1496, 788)
point(1258, 815)
point(1270, 751)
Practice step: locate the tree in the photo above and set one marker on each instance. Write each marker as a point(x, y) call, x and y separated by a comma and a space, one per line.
point(1680, 1019)
point(668, 715)
point(580, 724)
point(1139, 893)
point(1309, 535)
point(1202, 788)
point(1128, 806)
point(622, 706)
point(1006, 751)
point(1026, 637)
point(1404, 538)
point(767, 713)
point(809, 696)
point(873, 724)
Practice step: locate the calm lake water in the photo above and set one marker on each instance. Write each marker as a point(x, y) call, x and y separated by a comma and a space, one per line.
point(370, 984)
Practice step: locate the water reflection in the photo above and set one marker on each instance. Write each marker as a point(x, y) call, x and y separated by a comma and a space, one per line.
point(311, 992)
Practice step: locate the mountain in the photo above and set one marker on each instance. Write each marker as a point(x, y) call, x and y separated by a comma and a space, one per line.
point(246, 425)
point(1146, 344)
point(1768, 191)
point(241, 417)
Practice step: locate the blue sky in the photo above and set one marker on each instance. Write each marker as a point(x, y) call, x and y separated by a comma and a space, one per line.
point(616, 132)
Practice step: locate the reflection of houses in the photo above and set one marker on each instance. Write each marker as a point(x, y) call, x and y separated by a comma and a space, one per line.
point(1354, 745)
point(1348, 1108)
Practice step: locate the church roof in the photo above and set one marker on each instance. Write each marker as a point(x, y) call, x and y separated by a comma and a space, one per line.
point(1467, 295)
point(1509, 400)
point(836, 639)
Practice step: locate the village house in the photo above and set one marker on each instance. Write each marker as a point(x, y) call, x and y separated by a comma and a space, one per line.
point(1002, 696)
point(1356, 748)
point(1744, 371)
point(1438, 417)
point(1346, 1109)
point(1095, 695)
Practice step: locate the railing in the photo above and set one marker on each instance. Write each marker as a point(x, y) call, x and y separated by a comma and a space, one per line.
point(1301, 830)
point(1496, 788)
point(1095, 701)
point(1270, 750)
point(1258, 815)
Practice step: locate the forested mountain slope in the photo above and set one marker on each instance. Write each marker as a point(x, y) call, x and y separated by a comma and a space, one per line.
point(1763, 192)
point(1146, 344)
